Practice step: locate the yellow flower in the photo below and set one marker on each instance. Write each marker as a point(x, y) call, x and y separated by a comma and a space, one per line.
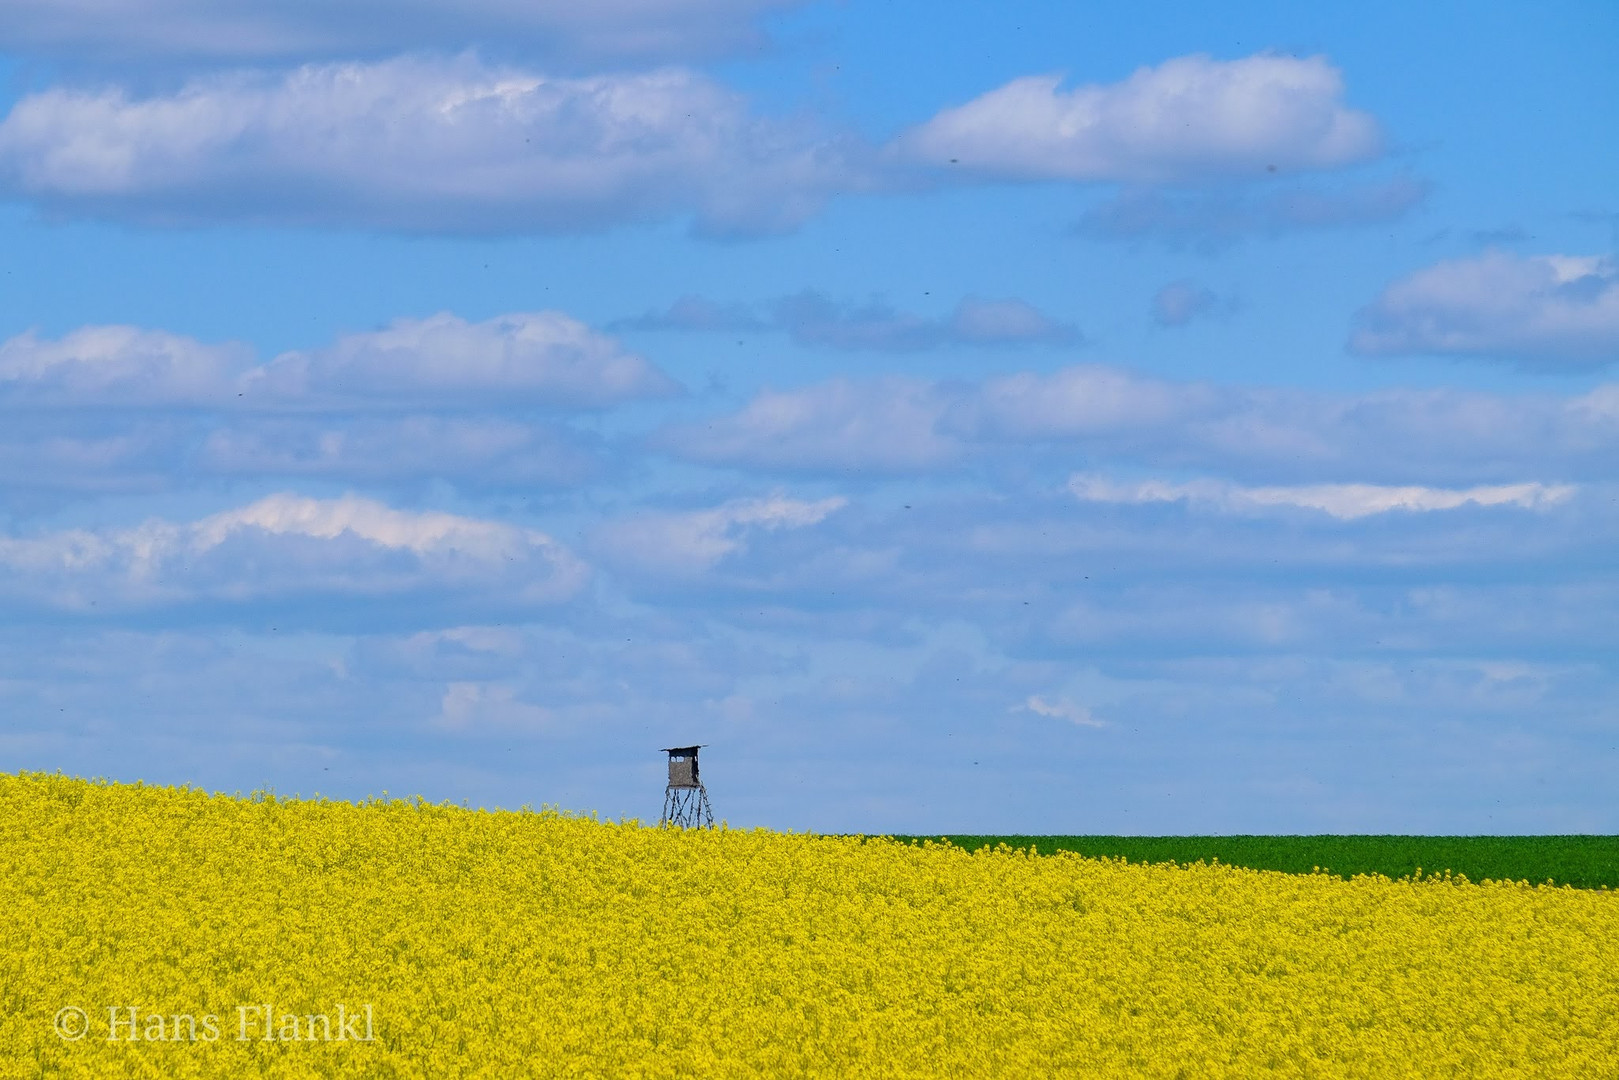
point(402, 938)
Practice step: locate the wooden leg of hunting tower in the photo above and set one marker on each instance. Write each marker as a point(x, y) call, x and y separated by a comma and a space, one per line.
point(687, 807)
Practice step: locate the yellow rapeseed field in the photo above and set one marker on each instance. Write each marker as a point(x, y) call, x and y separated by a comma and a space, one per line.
point(160, 932)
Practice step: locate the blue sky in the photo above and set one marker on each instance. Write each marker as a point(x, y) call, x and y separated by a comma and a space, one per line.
point(1028, 417)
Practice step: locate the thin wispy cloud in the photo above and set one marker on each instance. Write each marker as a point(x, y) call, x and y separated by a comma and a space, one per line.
point(1181, 302)
point(1211, 219)
point(1344, 501)
point(475, 708)
point(813, 318)
point(470, 451)
point(1062, 709)
point(136, 31)
point(691, 541)
point(59, 458)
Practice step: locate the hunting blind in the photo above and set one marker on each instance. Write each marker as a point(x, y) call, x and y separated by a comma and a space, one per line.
point(685, 800)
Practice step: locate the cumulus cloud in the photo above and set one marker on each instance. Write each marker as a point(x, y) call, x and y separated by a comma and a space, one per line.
point(118, 408)
point(422, 145)
point(880, 425)
point(288, 547)
point(894, 425)
point(527, 359)
point(1344, 501)
point(1553, 312)
point(544, 357)
point(426, 144)
point(1211, 220)
point(1086, 399)
point(1191, 118)
point(993, 322)
point(692, 541)
point(299, 29)
point(116, 366)
point(1397, 434)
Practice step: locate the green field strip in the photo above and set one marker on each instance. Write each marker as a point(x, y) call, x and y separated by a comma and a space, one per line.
point(1582, 861)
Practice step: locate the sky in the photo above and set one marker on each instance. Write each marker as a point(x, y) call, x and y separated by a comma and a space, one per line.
point(1021, 418)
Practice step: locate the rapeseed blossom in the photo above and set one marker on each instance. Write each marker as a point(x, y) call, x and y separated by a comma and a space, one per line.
point(509, 944)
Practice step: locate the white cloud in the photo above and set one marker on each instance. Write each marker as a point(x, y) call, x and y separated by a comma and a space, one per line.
point(1062, 709)
point(1080, 400)
point(262, 29)
point(1402, 434)
point(692, 541)
point(424, 647)
point(996, 322)
point(116, 366)
point(1189, 118)
point(287, 546)
point(36, 456)
point(327, 519)
point(1541, 311)
point(542, 357)
point(474, 450)
point(421, 145)
point(882, 425)
point(488, 708)
point(1599, 406)
point(893, 425)
point(1344, 501)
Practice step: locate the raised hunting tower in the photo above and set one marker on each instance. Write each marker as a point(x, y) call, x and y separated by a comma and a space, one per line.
point(685, 800)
